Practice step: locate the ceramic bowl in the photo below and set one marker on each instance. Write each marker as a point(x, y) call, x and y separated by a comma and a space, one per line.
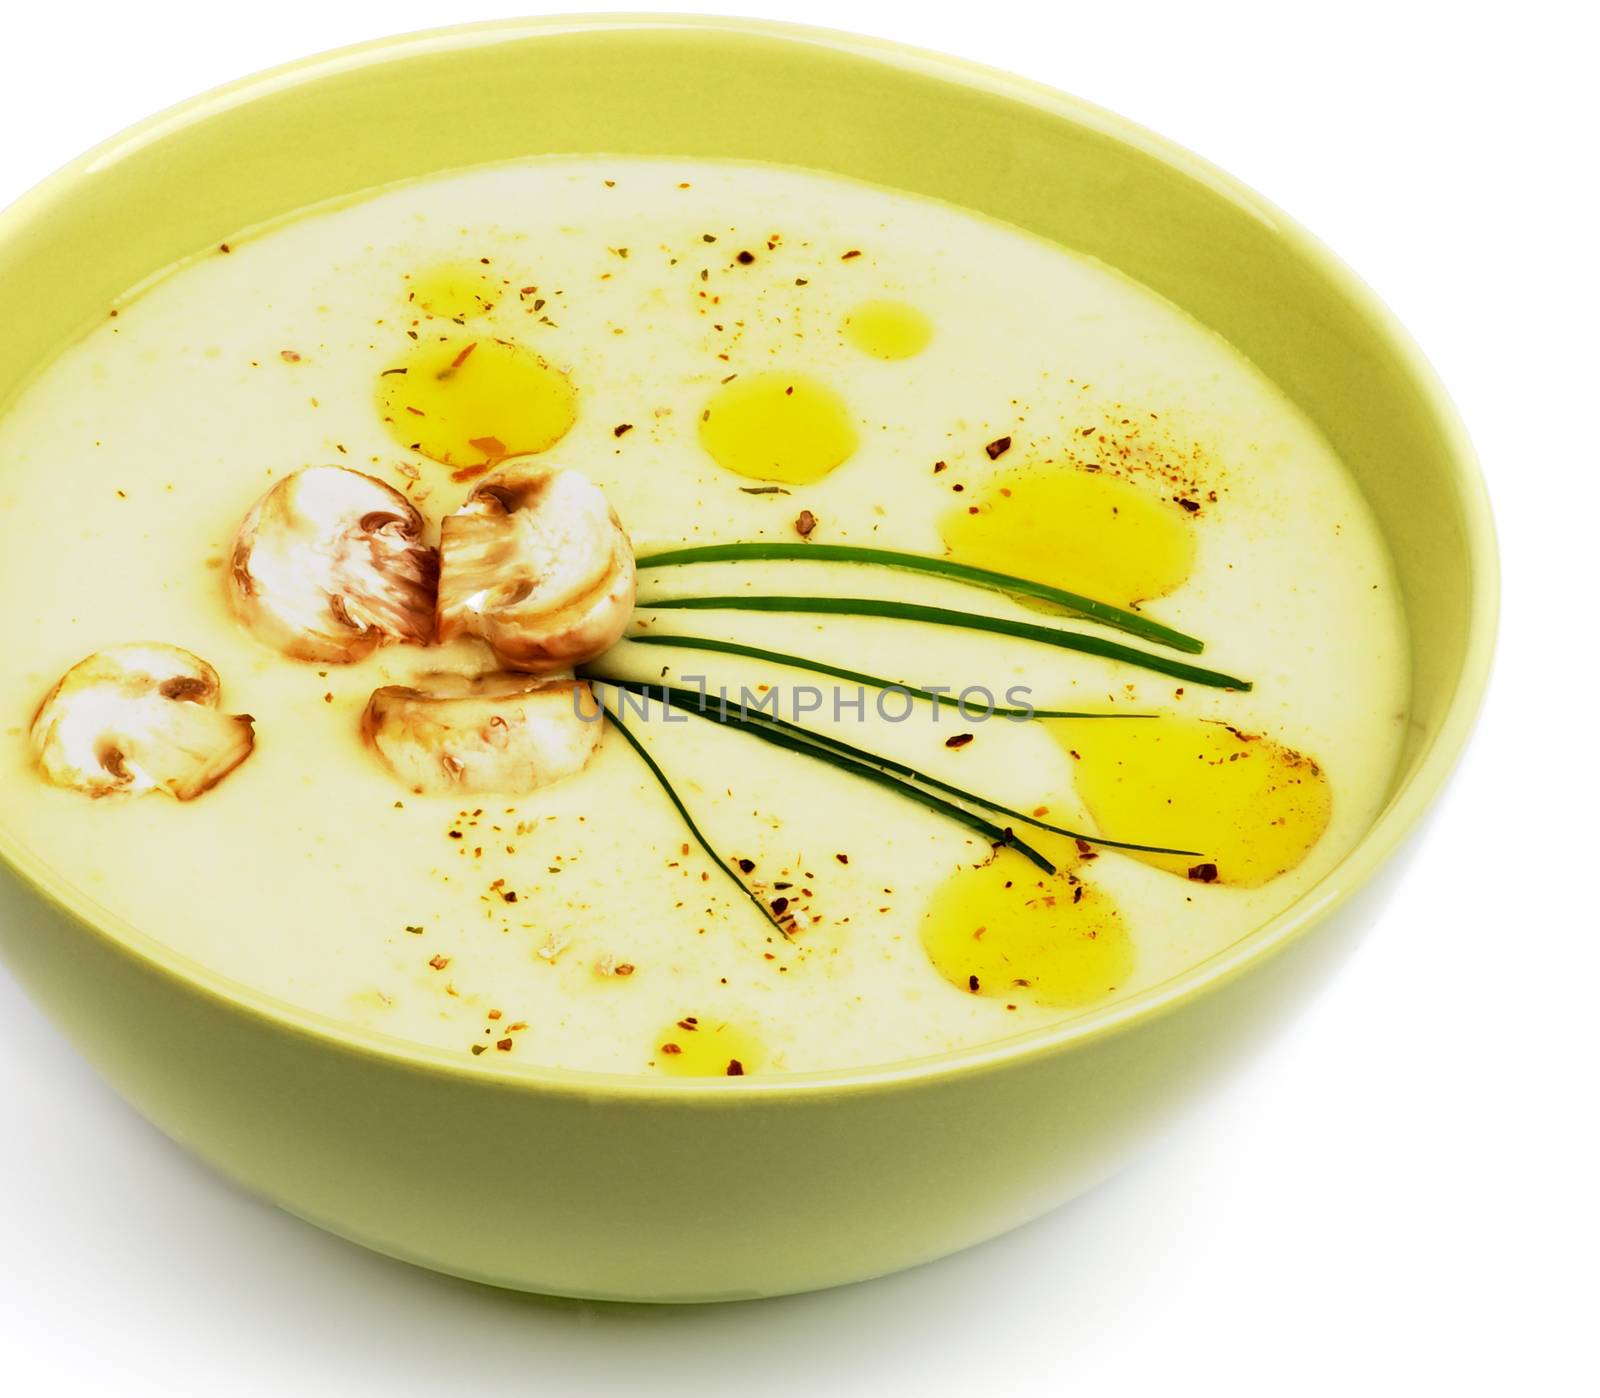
point(643, 1189)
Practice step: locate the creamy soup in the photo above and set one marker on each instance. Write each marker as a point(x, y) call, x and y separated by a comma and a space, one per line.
point(719, 353)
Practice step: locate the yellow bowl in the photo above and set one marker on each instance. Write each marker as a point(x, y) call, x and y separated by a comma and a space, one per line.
point(622, 1187)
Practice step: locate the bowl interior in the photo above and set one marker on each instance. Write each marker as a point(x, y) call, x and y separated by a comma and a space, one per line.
point(332, 126)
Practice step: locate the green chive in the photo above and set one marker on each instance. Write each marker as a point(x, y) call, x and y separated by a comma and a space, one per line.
point(695, 702)
point(689, 700)
point(970, 621)
point(1118, 618)
point(683, 811)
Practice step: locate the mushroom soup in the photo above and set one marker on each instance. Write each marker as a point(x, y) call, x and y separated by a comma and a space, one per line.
point(681, 618)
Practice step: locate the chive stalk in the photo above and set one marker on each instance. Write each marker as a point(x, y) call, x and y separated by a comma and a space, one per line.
point(695, 702)
point(683, 811)
point(1119, 618)
point(778, 734)
point(968, 621)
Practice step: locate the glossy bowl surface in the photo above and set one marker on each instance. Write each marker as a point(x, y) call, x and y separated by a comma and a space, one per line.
point(628, 1188)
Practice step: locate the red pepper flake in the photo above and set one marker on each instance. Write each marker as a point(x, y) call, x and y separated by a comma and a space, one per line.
point(854, 252)
point(805, 524)
point(1192, 506)
point(1203, 873)
point(489, 446)
point(223, 247)
point(622, 429)
point(972, 984)
point(842, 858)
point(465, 355)
point(940, 466)
point(735, 1068)
point(690, 1023)
point(289, 356)
point(744, 259)
point(960, 740)
point(748, 866)
point(438, 961)
point(622, 968)
point(494, 1014)
point(998, 448)
point(468, 473)
point(780, 906)
point(671, 1048)
point(505, 1045)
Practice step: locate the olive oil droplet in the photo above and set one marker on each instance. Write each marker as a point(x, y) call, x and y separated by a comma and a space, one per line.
point(1082, 531)
point(700, 1047)
point(1250, 807)
point(778, 427)
point(454, 291)
point(887, 329)
point(1008, 931)
point(468, 401)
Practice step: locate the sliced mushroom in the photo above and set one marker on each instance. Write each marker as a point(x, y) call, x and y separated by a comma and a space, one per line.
point(139, 718)
point(537, 564)
point(490, 733)
point(329, 565)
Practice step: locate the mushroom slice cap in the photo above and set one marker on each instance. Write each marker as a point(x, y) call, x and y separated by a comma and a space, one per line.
point(536, 563)
point(502, 733)
point(139, 718)
point(329, 565)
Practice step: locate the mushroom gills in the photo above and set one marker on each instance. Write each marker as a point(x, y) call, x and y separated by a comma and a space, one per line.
point(330, 564)
point(138, 718)
point(502, 733)
point(536, 563)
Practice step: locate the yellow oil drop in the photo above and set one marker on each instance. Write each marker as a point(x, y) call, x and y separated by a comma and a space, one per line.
point(1082, 531)
point(1012, 932)
point(778, 427)
point(887, 329)
point(454, 291)
point(698, 1046)
point(468, 401)
point(1251, 807)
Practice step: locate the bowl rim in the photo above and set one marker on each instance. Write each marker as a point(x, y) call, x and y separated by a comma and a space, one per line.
point(1383, 838)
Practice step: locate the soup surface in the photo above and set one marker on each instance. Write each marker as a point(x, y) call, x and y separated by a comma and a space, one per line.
point(731, 353)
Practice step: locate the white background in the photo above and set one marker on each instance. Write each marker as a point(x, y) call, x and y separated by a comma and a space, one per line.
point(1400, 1196)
